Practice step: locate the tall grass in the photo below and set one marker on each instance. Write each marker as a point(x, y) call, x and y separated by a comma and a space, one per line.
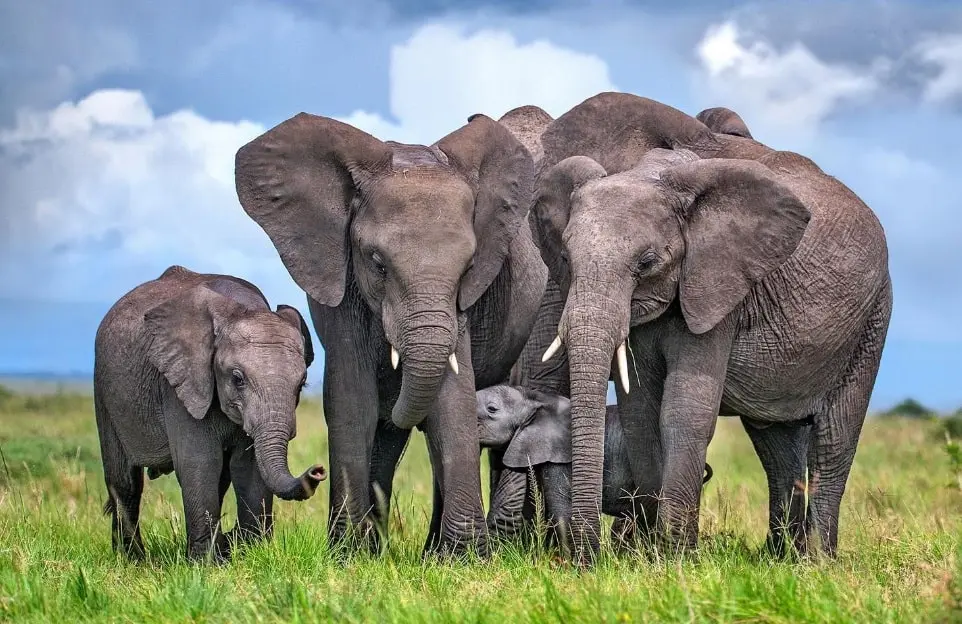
point(899, 542)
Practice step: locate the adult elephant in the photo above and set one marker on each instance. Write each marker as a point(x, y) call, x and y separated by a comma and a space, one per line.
point(511, 496)
point(742, 279)
point(422, 287)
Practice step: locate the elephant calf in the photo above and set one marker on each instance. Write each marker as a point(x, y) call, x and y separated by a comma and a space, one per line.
point(533, 430)
point(195, 374)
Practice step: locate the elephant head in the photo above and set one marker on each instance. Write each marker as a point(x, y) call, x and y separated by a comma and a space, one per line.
point(419, 231)
point(626, 245)
point(531, 427)
point(527, 123)
point(724, 121)
point(253, 360)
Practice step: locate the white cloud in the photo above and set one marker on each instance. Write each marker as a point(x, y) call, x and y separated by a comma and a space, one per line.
point(441, 76)
point(784, 93)
point(101, 194)
point(944, 51)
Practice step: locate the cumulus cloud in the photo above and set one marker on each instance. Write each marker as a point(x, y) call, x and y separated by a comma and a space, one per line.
point(442, 75)
point(101, 194)
point(945, 53)
point(783, 92)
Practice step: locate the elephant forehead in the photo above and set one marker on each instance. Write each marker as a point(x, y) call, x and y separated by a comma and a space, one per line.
point(264, 328)
point(405, 156)
point(440, 190)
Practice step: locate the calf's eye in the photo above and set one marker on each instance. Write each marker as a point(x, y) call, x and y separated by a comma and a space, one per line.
point(237, 378)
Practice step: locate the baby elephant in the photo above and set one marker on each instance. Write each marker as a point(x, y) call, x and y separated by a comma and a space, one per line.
point(533, 429)
point(194, 373)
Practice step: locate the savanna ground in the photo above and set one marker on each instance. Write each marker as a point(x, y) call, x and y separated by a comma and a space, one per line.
point(900, 543)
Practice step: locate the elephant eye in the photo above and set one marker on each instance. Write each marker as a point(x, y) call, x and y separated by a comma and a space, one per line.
point(645, 262)
point(237, 378)
point(378, 263)
point(492, 409)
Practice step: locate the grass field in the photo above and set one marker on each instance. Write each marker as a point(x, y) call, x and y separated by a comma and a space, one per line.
point(899, 544)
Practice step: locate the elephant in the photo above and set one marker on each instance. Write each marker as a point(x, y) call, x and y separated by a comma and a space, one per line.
point(512, 506)
point(743, 280)
point(411, 255)
point(195, 374)
point(532, 429)
point(724, 121)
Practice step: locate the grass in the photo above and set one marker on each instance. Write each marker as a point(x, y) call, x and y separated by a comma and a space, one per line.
point(899, 545)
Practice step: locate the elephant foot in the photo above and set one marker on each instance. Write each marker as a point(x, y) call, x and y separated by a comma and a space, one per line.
point(217, 553)
point(132, 548)
point(463, 547)
point(347, 539)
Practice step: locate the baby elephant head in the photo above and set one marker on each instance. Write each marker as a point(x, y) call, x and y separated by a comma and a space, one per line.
point(529, 426)
point(253, 360)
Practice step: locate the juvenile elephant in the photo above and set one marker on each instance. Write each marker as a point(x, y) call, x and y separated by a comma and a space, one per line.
point(193, 373)
point(532, 429)
point(742, 280)
point(422, 285)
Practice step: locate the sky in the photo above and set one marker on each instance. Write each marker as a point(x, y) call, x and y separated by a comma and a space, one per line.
point(119, 122)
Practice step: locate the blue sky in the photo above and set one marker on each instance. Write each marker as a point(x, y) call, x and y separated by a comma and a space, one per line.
point(119, 122)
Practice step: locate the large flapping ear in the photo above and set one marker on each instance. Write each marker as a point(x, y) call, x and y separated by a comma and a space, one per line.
point(724, 121)
point(551, 209)
point(742, 224)
point(298, 181)
point(545, 437)
point(181, 343)
point(501, 172)
point(292, 316)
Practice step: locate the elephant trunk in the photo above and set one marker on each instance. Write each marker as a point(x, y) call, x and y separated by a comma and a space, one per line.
point(270, 448)
point(426, 353)
point(593, 327)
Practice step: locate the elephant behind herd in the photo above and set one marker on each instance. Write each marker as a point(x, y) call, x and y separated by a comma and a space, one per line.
point(704, 272)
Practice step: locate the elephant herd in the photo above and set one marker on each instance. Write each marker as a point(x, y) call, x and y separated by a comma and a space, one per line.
point(485, 289)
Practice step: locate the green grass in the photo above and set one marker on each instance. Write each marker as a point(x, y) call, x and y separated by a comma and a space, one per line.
point(899, 543)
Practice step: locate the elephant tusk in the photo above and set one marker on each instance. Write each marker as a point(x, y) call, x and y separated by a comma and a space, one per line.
point(623, 366)
point(453, 361)
point(552, 349)
point(395, 357)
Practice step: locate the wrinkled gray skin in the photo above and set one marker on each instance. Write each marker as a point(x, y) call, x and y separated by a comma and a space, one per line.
point(746, 282)
point(419, 247)
point(532, 429)
point(193, 373)
point(512, 504)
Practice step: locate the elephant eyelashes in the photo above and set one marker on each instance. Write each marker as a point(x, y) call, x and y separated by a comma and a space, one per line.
point(492, 409)
point(645, 263)
point(237, 378)
point(378, 263)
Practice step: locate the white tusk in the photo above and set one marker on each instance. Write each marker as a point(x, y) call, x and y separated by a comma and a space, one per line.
point(552, 349)
point(395, 357)
point(453, 361)
point(623, 366)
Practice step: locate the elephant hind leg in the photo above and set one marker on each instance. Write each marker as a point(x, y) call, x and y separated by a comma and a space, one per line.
point(837, 428)
point(125, 486)
point(782, 449)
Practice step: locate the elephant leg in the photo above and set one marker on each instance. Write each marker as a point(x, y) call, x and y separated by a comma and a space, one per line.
point(389, 444)
point(554, 480)
point(451, 428)
point(255, 501)
point(351, 413)
point(836, 431)
point(125, 486)
point(198, 465)
point(512, 505)
point(782, 449)
point(639, 415)
point(694, 383)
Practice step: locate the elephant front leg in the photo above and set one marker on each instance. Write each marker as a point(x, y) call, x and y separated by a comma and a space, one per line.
point(255, 502)
point(351, 412)
point(451, 429)
point(689, 410)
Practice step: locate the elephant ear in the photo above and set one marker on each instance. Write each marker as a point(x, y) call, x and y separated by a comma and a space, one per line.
point(724, 121)
point(292, 316)
point(181, 346)
point(545, 437)
point(527, 124)
point(500, 170)
point(298, 181)
point(551, 209)
point(742, 224)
